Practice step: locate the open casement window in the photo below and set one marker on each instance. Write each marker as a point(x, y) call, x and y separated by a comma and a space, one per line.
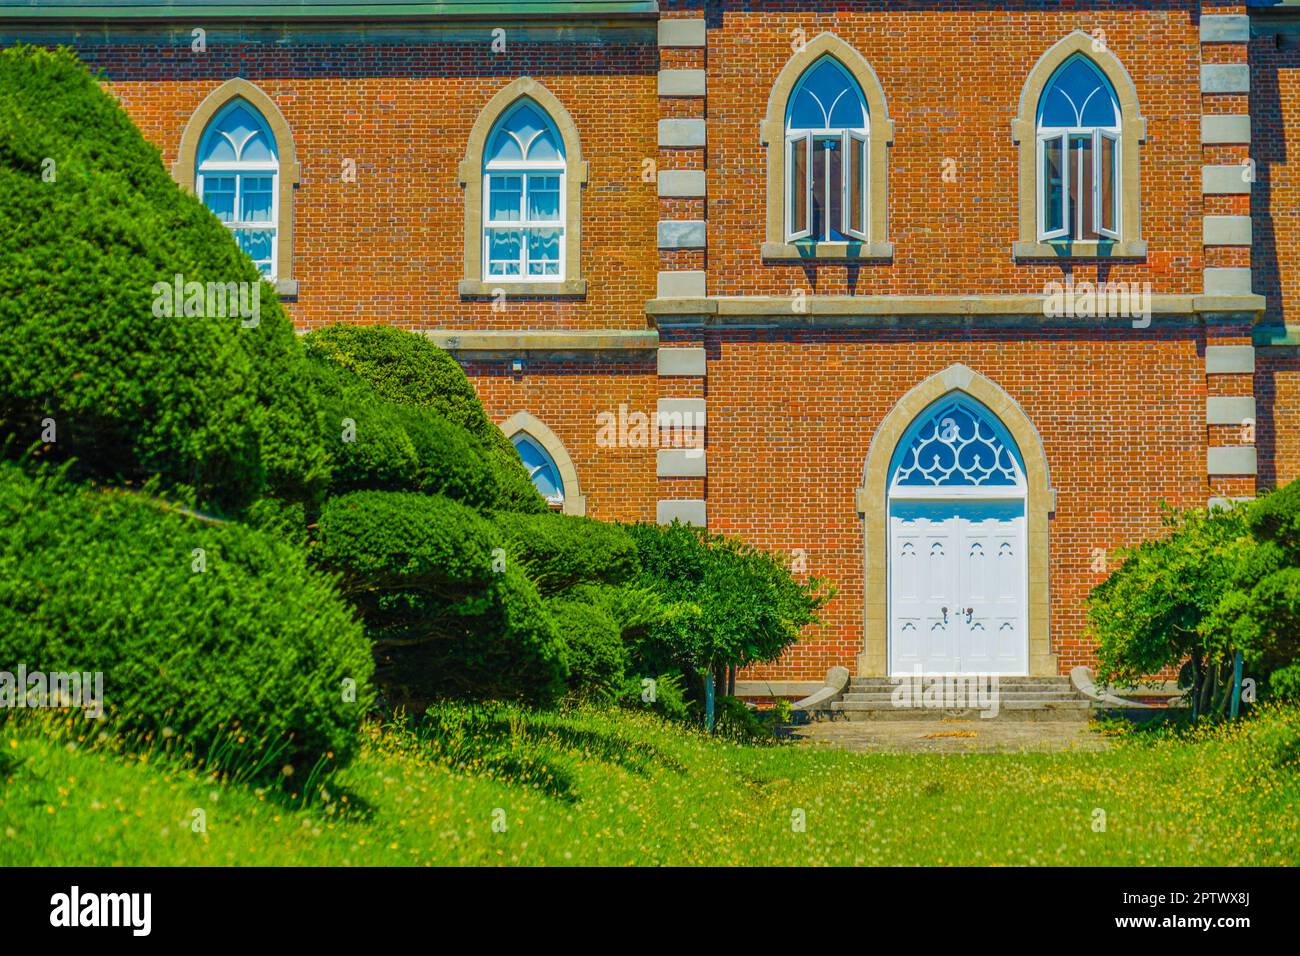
point(524, 198)
point(799, 195)
point(237, 176)
point(826, 157)
point(1078, 156)
point(1106, 151)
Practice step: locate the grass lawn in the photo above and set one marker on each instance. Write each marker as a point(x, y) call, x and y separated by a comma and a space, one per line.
point(594, 787)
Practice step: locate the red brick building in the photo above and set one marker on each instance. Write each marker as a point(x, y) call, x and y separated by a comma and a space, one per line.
point(939, 299)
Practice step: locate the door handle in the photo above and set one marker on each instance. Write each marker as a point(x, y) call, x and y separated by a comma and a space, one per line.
point(945, 615)
point(969, 611)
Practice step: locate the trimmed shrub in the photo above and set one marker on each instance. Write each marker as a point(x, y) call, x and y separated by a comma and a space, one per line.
point(447, 615)
point(252, 643)
point(559, 551)
point(408, 369)
point(382, 446)
point(133, 390)
point(594, 648)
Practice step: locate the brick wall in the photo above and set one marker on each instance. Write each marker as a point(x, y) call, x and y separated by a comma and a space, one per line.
point(389, 248)
point(952, 75)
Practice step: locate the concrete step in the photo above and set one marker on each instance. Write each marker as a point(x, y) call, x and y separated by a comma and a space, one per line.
point(1042, 693)
point(1002, 681)
point(1047, 709)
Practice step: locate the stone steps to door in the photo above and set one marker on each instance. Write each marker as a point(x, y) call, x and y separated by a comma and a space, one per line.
point(1044, 693)
point(1036, 710)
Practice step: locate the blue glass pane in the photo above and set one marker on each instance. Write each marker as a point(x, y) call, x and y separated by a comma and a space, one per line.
point(256, 150)
point(957, 443)
point(543, 198)
point(546, 477)
point(504, 247)
point(544, 148)
point(219, 196)
point(544, 252)
point(504, 196)
point(255, 198)
point(1078, 96)
point(826, 98)
point(524, 133)
point(255, 242)
point(239, 134)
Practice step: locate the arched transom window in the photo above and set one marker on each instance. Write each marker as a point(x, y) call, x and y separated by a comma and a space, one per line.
point(541, 468)
point(237, 176)
point(524, 197)
point(1078, 155)
point(957, 447)
point(826, 135)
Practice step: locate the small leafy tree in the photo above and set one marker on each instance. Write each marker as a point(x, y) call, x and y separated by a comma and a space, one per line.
point(734, 605)
point(1161, 607)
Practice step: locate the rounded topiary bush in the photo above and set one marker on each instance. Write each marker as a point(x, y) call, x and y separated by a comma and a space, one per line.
point(408, 369)
point(448, 611)
point(380, 445)
point(559, 551)
point(595, 653)
point(212, 631)
point(94, 228)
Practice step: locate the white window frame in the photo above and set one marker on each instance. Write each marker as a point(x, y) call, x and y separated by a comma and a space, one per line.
point(811, 136)
point(1112, 135)
point(239, 169)
point(1044, 137)
point(794, 141)
point(1067, 134)
point(848, 139)
point(523, 168)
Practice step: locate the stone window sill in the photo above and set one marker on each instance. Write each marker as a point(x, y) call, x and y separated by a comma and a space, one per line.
point(569, 288)
point(1060, 249)
point(828, 250)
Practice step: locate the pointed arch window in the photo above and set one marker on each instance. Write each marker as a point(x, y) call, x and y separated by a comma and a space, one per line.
point(957, 447)
point(1078, 155)
point(541, 468)
point(237, 176)
point(524, 198)
point(827, 130)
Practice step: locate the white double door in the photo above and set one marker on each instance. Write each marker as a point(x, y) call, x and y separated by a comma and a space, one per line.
point(957, 586)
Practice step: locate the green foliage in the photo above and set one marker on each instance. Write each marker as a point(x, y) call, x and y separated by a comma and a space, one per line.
point(249, 649)
point(217, 410)
point(384, 446)
point(445, 617)
point(1149, 613)
point(560, 551)
point(669, 698)
point(734, 605)
point(736, 720)
point(594, 648)
point(407, 369)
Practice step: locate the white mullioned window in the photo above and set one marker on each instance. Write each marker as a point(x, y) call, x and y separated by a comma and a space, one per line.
point(1078, 155)
point(827, 130)
point(237, 176)
point(524, 198)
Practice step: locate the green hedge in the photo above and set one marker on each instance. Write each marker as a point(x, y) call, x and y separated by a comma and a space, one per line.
point(257, 641)
point(447, 612)
point(559, 551)
point(380, 445)
point(92, 221)
point(408, 369)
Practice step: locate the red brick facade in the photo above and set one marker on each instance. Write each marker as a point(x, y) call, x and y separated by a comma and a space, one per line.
point(794, 398)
